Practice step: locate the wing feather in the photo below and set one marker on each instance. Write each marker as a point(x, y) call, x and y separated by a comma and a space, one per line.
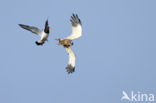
point(71, 64)
point(76, 27)
point(31, 28)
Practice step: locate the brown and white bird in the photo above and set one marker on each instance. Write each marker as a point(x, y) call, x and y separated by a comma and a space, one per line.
point(42, 33)
point(67, 42)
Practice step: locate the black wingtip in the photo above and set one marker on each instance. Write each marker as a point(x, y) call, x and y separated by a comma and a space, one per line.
point(37, 43)
point(74, 14)
point(70, 69)
point(24, 26)
point(21, 25)
point(75, 20)
point(46, 29)
point(46, 23)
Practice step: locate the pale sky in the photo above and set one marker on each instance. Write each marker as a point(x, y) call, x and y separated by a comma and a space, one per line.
point(116, 52)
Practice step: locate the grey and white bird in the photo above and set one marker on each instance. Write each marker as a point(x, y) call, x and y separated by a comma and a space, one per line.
point(67, 42)
point(42, 33)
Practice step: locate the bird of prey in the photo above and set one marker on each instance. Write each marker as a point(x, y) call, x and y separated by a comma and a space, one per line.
point(67, 42)
point(42, 33)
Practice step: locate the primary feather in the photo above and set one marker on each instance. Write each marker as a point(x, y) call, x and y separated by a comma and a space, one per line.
point(33, 29)
point(76, 27)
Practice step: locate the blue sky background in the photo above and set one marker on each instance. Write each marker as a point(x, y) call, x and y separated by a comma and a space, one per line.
point(116, 52)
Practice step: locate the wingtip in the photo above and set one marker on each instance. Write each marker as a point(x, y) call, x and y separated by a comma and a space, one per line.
point(70, 69)
point(47, 21)
point(74, 14)
point(20, 24)
point(37, 43)
point(75, 19)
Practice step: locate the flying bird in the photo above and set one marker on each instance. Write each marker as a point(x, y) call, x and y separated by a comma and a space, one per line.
point(42, 33)
point(67, 42)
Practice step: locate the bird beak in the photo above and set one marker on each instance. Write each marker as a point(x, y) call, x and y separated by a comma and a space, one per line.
point(50, 27)
point(47, 40)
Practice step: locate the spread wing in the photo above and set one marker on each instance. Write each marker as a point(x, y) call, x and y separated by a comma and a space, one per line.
point(71, 64)
point(31, 28)
point(46, 29)
point(76, 27)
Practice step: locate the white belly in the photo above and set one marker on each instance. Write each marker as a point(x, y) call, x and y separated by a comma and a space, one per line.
point(44, 36)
